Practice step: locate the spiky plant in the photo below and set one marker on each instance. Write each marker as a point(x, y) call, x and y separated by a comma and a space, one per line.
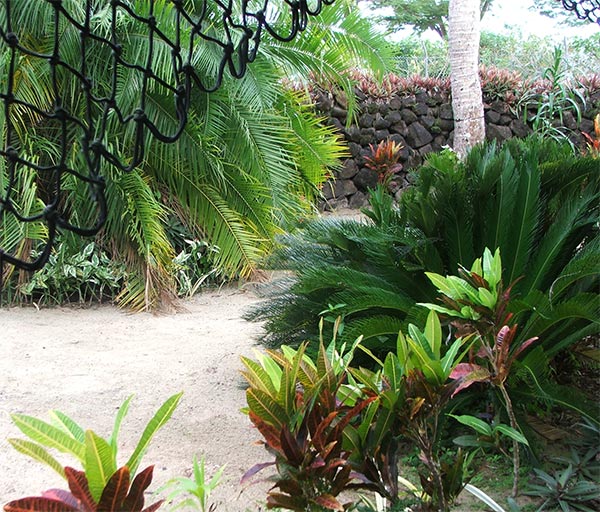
point(533, 199)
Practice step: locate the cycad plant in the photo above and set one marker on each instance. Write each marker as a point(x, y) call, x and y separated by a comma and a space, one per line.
point(250, 156)
point(533, 199)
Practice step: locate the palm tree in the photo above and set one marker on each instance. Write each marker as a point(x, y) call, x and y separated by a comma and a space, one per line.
point(249, 159)
point(463, 49)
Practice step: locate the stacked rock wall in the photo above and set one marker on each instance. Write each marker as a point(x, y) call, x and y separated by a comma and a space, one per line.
point(421, 123)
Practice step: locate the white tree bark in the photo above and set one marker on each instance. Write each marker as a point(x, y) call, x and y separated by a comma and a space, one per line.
point(467, 103)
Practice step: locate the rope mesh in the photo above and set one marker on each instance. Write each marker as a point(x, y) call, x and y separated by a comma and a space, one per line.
point(230, 30)
point(584, 9)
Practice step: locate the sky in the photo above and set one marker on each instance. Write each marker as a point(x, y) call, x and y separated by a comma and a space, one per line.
point(517, 13)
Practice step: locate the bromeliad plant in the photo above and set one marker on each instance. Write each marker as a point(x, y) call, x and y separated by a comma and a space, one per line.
point(293, 401)
point(557, 100)
point(101, 485)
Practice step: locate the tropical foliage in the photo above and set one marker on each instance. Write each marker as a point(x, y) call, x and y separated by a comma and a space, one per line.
point(293, 402)
point(332, 425)
point(401, 403)
point(101, 485)
point(250, 155)
point(534, 200)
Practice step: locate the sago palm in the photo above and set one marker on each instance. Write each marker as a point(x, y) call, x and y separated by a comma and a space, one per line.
point(533, 199)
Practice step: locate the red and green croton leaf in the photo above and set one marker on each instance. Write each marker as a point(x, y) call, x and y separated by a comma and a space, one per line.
point(117, 495)
point(329, 502)
point(468, 374)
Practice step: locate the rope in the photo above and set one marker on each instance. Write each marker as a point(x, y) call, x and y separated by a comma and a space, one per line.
point(185, 28)
point(584, 9)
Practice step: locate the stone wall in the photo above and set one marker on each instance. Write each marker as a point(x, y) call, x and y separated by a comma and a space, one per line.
point(421, 122)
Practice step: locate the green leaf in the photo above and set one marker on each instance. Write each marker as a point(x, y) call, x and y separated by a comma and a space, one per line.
point(424, 343)
point(49, 435)
point(471, 441)
point(512, 433)
point(433, 333)
point(68, 425)
point(450, 360)
point(465, 289)
point(444, 285)
point(258, 377)
point(486, 298)
point(121, 413)
point(392, 370)
point(158, 420)
point(99, 463)
point(36, 452)
point(274, 371)
point(402, 349)
point(267, 409)
point(287, 391)
point(476, 424)
point(440, 309)
point(383, 426)
point(477, 268)
point(431, 368)
point(370, 353)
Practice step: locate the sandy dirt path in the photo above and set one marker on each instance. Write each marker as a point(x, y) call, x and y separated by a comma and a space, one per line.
point(85, 362)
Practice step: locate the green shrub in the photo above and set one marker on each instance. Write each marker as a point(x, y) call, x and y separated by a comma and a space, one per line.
point(75, 275)
point(533, 199)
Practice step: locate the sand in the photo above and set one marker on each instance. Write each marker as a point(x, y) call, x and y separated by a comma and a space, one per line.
point(86, 361)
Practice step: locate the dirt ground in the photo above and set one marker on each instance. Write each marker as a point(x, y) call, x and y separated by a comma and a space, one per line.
point(86, 361)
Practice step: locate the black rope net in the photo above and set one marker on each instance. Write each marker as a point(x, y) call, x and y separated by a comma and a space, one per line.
point(81, 116)
point(584, 9)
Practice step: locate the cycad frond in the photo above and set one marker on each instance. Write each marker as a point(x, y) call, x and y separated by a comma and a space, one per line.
point(585, 266)
point(135, 223)
point(558, 245)
point(379, 332)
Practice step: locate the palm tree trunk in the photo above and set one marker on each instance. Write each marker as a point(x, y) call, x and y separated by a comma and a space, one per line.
point(467, 103)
